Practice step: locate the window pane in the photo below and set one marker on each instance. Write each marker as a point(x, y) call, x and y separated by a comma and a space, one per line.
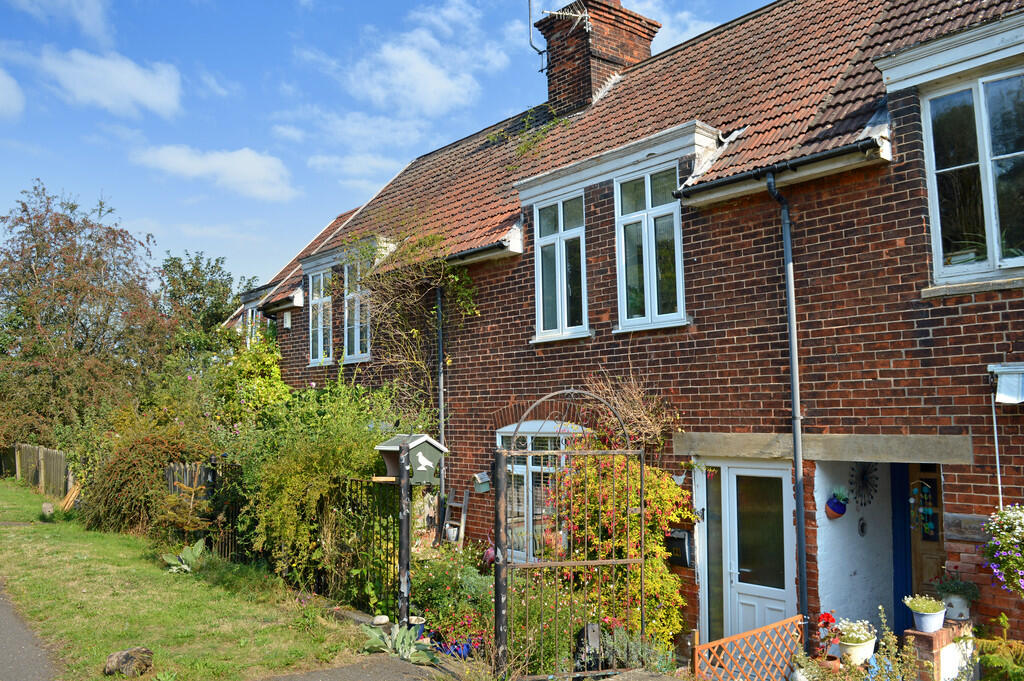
point(954, 136)
point(543, 443)
point(1005, 102)
point(364, 330)
point(572, 213)
point(548, 220)
point(314, 286)
point(549, 301)
point(665, 261)
point(574, 282)
point(325, 337)
point(1010, 197)
point(662, 186)
point(760, 528)
point(961, 216)
point(633, 261)
point(350, 327)
point(631, 196)
point(314, 332)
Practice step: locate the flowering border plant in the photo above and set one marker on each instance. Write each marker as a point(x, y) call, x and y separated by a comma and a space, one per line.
point(856, 631)
point(829, 633)
point(1004, 550)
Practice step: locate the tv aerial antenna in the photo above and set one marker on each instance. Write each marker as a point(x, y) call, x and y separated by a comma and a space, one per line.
point(577, 11)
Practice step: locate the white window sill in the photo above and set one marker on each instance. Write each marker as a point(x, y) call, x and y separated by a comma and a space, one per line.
point(667, 324)
point(320, 363)
point(573, 335)
point(943, 290)
point(356, 359)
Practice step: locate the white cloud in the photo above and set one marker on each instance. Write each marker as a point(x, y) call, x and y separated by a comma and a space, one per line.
point(514, 33)
point(429, 70)
point(12, 100)
point(289, 133)
point(355, 164)
point(365, 187)
point(676, 25)
point(90, 15)
point(243, 171)
point(219, 87)
point(114, 82)
point(357, 130)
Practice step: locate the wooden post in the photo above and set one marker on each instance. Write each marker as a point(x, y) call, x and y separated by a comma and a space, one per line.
point(17, 462)
point(41, 468)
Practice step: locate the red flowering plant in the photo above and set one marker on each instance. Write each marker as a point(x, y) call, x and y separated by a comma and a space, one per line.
point(828, 634)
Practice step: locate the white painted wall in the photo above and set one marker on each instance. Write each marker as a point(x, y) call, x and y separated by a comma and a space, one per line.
point(855, 573)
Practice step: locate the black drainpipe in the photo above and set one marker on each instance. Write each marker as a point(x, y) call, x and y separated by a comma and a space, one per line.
point(440, 377)
point(794, 391)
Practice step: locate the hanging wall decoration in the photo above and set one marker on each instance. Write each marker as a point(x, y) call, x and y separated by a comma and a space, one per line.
point(863, 483)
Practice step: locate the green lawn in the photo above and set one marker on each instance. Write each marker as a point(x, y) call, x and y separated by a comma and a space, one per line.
point(91, 593)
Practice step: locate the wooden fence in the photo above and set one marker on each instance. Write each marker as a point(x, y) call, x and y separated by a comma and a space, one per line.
point(763, 654)
point(43, 468)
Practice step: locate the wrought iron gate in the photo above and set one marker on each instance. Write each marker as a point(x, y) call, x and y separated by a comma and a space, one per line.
point(570, 545)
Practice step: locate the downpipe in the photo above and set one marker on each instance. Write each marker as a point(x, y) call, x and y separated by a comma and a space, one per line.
point(794, 391)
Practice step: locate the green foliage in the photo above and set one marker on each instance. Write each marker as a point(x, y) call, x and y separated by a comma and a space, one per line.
point(623, 650)
point(401, 642)
point(127, 492)
point(923, 604)
point(1003, 550)
point(951, 584)
point(1001, 658)
point(199, 291)
point(454, 597)
point(186, 560)
point(841, 495)
point(249, 384)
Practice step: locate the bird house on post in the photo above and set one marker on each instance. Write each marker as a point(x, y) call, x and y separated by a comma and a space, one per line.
point(424, 457)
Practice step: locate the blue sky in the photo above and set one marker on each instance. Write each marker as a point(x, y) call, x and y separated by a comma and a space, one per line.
point(241, 129)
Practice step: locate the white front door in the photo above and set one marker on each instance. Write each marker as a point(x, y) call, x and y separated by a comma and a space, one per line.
point(747, 547)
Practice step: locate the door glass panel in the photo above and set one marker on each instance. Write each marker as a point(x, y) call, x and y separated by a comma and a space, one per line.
point(574, 282)
point(662, 186)
point(548, 276)
point(631, 196)
point(760, 526)
point(1009, 174)
point(633, 252)
point(548, 220)
point(665, 261)
point(716, 594)
point(954, 134)
point(572, 213)
point(1005, 103)
point(961, 216)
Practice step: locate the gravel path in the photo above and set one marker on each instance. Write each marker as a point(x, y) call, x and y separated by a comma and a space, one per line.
point(22, 657)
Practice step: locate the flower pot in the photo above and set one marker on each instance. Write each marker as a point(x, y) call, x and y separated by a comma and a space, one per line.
point(453, 533)
point(459, 649)
point(831, 662)
point(928, 622)
point(797, 675)
point(957, 607)
point(859, 652)
point(417, 623)
point(834, 508)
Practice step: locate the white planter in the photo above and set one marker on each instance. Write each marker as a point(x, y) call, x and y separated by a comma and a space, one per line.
point(797, 675)
point(957, 607)
point(859, 652)
point(928, 622)
point(453, 533)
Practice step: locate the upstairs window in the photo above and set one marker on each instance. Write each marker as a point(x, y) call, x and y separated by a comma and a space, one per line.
point(975, 156)
point(357, 315)
point(320, 345)
point(254, 323)
point(649, 251)
point(561, 277)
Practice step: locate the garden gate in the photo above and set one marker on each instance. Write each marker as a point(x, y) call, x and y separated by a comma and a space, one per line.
point(569, 542)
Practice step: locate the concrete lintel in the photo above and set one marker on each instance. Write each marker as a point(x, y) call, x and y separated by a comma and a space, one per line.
point(947, 449)
point(965, 527)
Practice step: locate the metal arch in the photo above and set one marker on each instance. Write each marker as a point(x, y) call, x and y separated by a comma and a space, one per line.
point(573, 392)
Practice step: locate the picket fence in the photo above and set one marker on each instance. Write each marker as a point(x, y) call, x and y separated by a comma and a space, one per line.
point(43, 468)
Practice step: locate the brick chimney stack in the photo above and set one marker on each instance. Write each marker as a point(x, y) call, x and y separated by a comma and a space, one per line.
point(580, 63)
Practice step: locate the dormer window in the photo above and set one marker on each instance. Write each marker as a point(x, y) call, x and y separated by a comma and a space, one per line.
point(975, 153)
point(560, 268)
point(320, 344)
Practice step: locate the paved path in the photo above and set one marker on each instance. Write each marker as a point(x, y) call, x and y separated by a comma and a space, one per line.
point(369, 668)
point(22, 657)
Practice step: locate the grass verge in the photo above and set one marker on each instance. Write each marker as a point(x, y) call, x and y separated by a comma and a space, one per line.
point(91, 593)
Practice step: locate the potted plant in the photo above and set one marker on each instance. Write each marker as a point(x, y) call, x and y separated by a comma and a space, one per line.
point(1005, 559)
point(857, 639)
point(835, 507)
point(957, 594)
point(929, 613)
point(828, 635)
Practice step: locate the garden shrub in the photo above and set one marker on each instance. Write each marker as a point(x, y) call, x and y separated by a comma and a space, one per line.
point(127, 491)
point(456, 600)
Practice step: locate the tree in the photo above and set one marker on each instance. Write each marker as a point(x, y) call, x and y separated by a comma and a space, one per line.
point(79, 326)
point(199, 291)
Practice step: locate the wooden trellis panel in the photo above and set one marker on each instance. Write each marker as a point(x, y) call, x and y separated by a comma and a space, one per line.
point(757, 655)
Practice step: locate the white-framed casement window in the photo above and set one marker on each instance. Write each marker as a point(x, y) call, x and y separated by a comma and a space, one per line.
point(357, 315)
point(320, 343)
point(530, 480)
point(254, 324)
point(560, 269)
point(649, 250)
point(974, 144)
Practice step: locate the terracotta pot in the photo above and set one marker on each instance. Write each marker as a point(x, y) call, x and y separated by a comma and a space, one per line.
point(834, 508)
point(830, 662)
